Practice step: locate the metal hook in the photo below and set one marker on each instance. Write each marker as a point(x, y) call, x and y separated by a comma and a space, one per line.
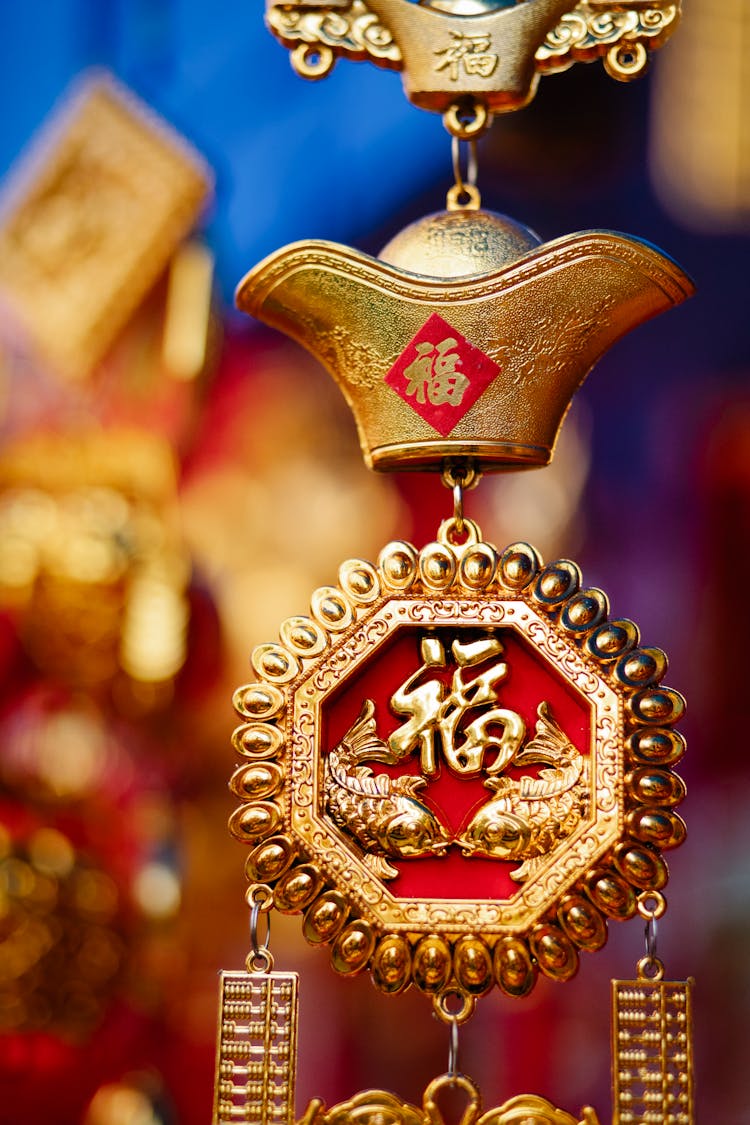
point(464, 195)
point(458, 476)
point(260, 958)
point(453, 1049)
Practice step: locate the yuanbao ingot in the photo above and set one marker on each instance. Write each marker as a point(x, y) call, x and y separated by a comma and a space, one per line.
point(457, 767)
point(505, 327)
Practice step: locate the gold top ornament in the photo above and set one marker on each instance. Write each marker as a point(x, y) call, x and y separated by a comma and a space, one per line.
point(468, 59)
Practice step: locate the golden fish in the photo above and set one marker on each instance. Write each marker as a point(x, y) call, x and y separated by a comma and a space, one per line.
point(380, 812)
point(529, 817)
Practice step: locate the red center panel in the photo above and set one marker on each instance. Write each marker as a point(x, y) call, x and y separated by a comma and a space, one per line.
point(530, 680)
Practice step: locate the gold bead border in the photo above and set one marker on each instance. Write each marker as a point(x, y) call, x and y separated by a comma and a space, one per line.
point(472, 964)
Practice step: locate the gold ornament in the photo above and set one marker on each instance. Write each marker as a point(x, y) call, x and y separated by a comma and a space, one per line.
point(479, 358)
point(468, 59)
point(377, 1106)
point(577, 821)
point(456, 766)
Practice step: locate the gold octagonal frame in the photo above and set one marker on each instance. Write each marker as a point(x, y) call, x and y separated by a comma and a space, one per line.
point(319, 838)
point(445, 946)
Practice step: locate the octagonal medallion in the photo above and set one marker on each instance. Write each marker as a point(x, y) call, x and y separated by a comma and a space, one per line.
point(458, 768)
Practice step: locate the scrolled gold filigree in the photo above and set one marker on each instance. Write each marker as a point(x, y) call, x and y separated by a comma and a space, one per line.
point(590, 833)
point(355, 32)
point(620, 35)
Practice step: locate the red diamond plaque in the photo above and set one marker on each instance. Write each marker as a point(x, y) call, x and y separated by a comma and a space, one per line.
point(440, 374)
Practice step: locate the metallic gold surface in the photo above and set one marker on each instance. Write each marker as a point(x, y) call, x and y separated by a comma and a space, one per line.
point(89, 220)
point(376, 1107)
point(459, 244)
point(256, 1055)
point(543, 320)
point(587, 842)
point(472, 53)
point(652, 1051)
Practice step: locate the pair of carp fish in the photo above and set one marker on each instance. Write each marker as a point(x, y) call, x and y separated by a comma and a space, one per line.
point(522, 822)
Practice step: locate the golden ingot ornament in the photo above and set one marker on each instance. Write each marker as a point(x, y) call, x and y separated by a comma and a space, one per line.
point(480, 356)
point(458, 768)
point(468, 59)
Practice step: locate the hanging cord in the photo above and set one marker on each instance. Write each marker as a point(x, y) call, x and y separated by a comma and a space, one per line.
point(651, 906)
point(260, 958)
point(464, 195)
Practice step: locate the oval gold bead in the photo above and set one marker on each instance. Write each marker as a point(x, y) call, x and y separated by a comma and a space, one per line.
point(255, 821)
point(398, 564)
point(391, 964)
point(437, 566)
point(269, 860)
point(432, 963)
point(582, 922)
point(359, 580)
point(303, 636)
point(584, 611)
point(555, 954)
point(641, 667)
point(325, 917)
point(652, 786)
point(331, 609)
point(514, 970)
point(611, 639)
point(657, 747)
point(612, 894)
point(472, 965)
point(519, 564)
point(257, 740)
point(643, 868)
point(556, 582)
point(478, 566)
point(259, 701)
point(660, 827)
point(275, 663)
point(657, 706)
point(256, 781)
point(353, 948)
point(296, 889)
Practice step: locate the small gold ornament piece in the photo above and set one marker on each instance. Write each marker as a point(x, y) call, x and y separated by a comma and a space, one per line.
point(256, 1061)
point(652, 1050)
point(457, 670)
point(468, 59)
point(652, 1037)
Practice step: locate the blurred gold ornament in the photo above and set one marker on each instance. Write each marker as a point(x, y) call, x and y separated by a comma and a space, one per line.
point(700, 120)
point(56, 907)
point(188, 313)
point(89, 220)
point(90, 555)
